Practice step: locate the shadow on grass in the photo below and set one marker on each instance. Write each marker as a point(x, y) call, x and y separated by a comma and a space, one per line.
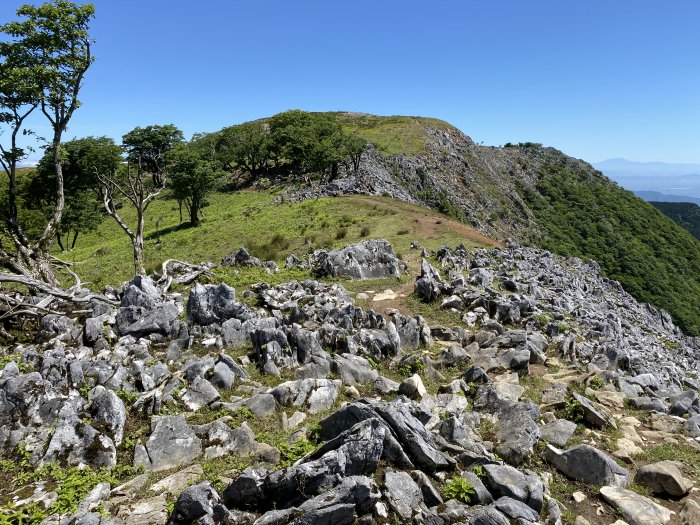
point(170, 229)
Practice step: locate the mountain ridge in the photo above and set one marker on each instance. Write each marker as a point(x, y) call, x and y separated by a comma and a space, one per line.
point(539, 196)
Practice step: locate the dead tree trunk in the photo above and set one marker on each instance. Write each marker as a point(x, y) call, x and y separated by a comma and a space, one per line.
point(140, 196)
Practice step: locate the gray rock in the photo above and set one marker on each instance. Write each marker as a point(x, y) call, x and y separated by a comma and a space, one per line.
point(413, 388)
point(223, 377)
point(482, 496)
point(365, 260)
point(92, 330)
point(558, 432)
point(172, 444)
point(595, 416)
point(318, 394)
point(506, 481)
point(429, 286)
point(262, 405)
point(588, 464)
point(75, 443)
point(517, 433)
point(355, 452)
point(199, 394)
point(194, 502)
point(635, 508)
point(403, 494)
point(139, 321)
point(352, 369)
point(108, 414)
point(241, 258)
point(431, 497)
point(663, 477)
point(208, 304)
point(354, 496)
point(517, 510)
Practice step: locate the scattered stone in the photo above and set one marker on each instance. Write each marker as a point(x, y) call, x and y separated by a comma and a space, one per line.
point(663, 477)
point(558, 432)
point(172, 444)
point(636, 509)
point(588, 464)
point(413, 388)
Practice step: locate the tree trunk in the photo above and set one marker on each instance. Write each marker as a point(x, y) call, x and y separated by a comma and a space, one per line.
point(60, 242)
point(75, 238)
point(194, 212)
point(137, 241)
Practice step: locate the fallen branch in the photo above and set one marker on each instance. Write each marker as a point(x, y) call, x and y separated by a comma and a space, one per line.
point(55, 291)
point(188, 273)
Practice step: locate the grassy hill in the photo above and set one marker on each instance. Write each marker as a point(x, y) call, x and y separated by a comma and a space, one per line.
point(542, 197)
point(268, 230)
point(686, 214)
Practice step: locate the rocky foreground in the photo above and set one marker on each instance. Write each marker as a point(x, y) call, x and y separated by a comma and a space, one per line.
point(555, 398)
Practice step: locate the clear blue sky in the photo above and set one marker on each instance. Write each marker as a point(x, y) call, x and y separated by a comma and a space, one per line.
point(596, 79)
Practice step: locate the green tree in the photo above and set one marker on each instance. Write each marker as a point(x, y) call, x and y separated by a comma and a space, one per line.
point(246, 147)
point(81, 160)
point(50, 45)
point(148, 146)
point(193, 174)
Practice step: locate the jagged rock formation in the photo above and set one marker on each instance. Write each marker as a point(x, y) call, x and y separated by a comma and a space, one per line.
point(379, 449)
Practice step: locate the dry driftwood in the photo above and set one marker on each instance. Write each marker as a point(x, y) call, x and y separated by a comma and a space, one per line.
point(180, 272)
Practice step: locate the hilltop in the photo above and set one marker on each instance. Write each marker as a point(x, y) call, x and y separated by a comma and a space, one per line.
point(533, 194)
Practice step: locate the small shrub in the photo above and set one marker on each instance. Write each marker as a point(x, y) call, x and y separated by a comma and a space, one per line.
point(574, 411)
point(458, 488)
point(364, 231)
point(596, 383)
point(341, 233)
point(403, 232)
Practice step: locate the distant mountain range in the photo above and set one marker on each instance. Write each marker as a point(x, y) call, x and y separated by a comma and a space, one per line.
point(659, 181)
point(655, 196)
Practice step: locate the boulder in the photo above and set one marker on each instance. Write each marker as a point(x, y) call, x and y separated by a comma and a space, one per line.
point(558, 432)
point(194, 502)
point(413, 388)
point(506, 481)
point(663, 477)
point(588, 464)
point(171, 444)
point(108, 413)
point(318, 394)
point(370, 259)
point(635, 508)
point(403, 494)
point(429, 285)
point(208, 304)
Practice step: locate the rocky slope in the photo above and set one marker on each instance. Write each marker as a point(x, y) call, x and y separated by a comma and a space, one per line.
point(537, 196)
point(552, 397)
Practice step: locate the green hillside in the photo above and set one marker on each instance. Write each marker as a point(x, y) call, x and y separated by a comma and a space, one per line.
point(686, 214)
point(270, 231)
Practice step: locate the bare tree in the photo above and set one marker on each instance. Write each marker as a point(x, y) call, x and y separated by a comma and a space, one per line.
point(140, 193)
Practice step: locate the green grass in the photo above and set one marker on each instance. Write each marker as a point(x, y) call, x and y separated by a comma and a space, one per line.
point(394, 134)
point(250, 219)
point(689, 456)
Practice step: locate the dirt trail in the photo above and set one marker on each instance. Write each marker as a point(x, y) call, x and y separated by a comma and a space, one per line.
point(426, 223)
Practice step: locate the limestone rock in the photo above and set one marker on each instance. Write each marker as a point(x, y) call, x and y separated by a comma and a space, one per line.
point(663, 477)
point(588, 464)
point(636, 509)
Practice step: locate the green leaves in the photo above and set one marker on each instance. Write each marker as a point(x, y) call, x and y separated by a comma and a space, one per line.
point(458, 488)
